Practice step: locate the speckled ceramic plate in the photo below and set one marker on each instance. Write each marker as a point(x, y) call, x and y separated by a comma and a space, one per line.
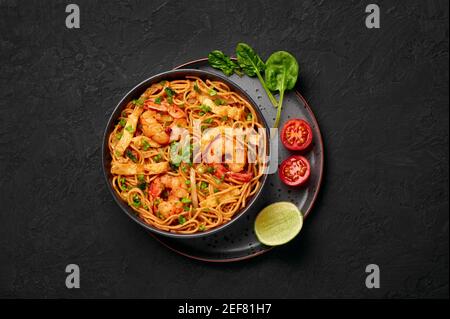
point(238, 241)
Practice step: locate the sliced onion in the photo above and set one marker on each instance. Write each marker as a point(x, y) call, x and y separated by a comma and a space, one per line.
point(193, 189)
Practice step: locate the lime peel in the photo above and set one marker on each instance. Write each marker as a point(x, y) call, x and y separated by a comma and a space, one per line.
point(278, 223)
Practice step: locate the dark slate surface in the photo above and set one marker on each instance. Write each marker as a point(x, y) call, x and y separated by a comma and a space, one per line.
point(380, 96)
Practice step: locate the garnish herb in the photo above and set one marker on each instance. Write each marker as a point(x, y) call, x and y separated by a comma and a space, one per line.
point(218, 60)
point(252, 65)
point(186, 201)
point(201, 227)
point(139, 101)
point(212, 92)
point(205, 108)
point(130, 129)
point(281, 75)
point(142, 186)
point(157, 158)
point(136, 201)
point(181, 219)
point(169, 91)
point(145, 145)
point(123, 186)
point(131, 156)
point(158, 100)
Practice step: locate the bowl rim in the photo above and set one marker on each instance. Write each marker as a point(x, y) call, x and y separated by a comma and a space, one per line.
point(132, 94)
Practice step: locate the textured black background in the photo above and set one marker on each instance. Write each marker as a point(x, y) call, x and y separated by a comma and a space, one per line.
point(380, 96)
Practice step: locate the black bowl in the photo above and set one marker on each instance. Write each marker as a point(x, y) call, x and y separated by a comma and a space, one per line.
point(135, 93)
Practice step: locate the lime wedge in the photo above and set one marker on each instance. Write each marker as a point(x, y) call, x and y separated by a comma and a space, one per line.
point(278, 223)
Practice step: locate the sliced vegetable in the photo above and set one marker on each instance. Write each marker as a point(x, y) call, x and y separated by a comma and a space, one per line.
point(294, 171)
point(134, 169)
point(296, 135)
point(193, 189)
point(128, 133)
point(281, 74)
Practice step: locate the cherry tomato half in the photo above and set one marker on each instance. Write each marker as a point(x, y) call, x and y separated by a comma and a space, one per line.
point(296, 135)
point(294, 171)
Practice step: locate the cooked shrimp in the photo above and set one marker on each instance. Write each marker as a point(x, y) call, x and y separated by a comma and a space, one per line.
point(152, 128)
point(177, 190)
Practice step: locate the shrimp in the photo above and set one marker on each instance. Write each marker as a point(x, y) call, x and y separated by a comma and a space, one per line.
point(152, 128)
point(168, 204)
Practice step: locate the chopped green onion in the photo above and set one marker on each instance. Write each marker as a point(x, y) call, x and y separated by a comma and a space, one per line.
point(181, 219)
point(208, 121)
point(130, 129)
point(123, 122)
point(186, 200)
point(196, 88)
point(187, 182)
point(219, 101)
point(169, 91)
point(203, 185)
point(249, 116)
point(158, 100)
point(136, 201)
point(205, 108)
point(201, 227)
point(142, 186)
point(157, 158)
point(123, 186)
point(139, 101)
point(119, 135)
point(131, 156)
point(145, 145)
point(212, 92)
